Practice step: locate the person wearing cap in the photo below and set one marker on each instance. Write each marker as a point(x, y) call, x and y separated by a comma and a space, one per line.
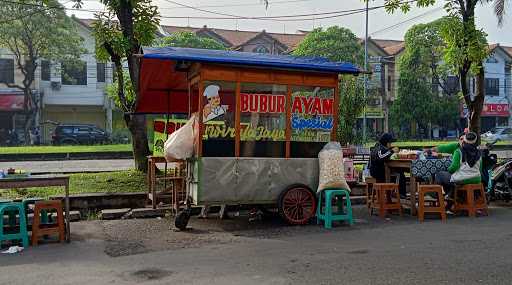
point(381, 153)
point(213, 108)
point(465, 168)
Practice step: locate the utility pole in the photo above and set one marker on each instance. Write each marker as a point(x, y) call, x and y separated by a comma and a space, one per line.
point(365, 75)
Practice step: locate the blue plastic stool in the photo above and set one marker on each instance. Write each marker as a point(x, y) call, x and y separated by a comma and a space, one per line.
point(344, 209)
point(22, 233)
point(10, 214)
point(44, 214)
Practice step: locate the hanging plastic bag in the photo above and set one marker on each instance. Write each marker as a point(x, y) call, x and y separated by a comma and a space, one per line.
point(180, 144)
point(332, 174)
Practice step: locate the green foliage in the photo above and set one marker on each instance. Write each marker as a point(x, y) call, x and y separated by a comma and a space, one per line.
point(351, 106)
point(416, 102)
point(454, 32)
point(120, 32)
point(340, 44)
point(31, 31)
point(129, 92)
point(190, 40)
point(107, 182)
point(112, 38)
point(335, 43)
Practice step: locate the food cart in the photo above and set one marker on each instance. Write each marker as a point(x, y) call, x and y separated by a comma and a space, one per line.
point(262, 121)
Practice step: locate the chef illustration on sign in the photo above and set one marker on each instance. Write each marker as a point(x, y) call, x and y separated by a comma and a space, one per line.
point(213, 108)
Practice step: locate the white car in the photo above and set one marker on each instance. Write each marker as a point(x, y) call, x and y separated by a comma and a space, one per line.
point(498, 134)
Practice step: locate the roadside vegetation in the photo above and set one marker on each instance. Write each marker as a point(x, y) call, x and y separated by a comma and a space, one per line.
point(64, 149)
point(104, 182)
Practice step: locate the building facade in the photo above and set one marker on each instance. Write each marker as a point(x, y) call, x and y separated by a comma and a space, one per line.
point(76, 93)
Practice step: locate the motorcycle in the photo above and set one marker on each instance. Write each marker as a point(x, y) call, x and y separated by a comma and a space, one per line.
point(496, 177)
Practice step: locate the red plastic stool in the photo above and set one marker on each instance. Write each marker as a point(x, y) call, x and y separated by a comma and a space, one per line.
point(39, 229)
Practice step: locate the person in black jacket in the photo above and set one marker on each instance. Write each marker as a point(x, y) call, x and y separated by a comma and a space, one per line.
point(380, 153)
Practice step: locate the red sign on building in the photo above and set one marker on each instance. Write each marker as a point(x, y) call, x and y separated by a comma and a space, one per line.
point(495, 110)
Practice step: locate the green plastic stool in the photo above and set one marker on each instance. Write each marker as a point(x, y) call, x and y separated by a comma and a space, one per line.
point(44, 213)
point(10, 214)
point(344, 212)
point(22, 233)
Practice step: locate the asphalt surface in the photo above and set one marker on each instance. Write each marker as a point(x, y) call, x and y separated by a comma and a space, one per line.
point(396, 251)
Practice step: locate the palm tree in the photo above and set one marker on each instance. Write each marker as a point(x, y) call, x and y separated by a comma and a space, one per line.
point(499, 10)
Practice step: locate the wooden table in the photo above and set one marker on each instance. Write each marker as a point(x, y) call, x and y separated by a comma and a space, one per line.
point(41, 181)
point(405, 166)
point(152, 179)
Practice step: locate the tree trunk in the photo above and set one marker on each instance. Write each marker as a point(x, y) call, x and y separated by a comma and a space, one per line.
point(476, 106)
point(137, 126)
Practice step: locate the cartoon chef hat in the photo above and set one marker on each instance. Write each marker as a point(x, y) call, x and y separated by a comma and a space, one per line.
point(211, 91)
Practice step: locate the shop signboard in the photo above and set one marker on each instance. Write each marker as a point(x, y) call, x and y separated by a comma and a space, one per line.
point(311, 121)
point(488, 110)
point(373, 112)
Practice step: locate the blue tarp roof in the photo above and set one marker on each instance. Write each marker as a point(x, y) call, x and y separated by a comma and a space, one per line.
point(249, 58)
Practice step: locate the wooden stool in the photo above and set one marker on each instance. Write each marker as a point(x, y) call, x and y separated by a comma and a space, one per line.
point(370, 181)
point(386, 197)
point(470, 204)
point(438, 207)
point(39, 229)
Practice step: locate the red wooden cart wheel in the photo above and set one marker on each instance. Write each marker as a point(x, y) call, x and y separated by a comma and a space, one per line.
point(297, 204)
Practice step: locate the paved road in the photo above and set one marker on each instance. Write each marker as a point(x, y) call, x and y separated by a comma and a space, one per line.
point(401, 251)
point(70, 166)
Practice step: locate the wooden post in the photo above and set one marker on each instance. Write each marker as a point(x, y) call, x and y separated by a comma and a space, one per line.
point(200, 118)
point(335, 111)
point(288, 132)
point(237, 120)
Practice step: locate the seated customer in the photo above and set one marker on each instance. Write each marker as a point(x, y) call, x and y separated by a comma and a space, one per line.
point(381, 153)
point(465, 168)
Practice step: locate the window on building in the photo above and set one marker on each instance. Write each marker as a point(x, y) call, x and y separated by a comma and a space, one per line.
point(45, 70)
point(6, 70)
point(492, 86)
point(74, 73)
point(100, 72)
point(389, 83)
point(492, 59)
point(261, 49)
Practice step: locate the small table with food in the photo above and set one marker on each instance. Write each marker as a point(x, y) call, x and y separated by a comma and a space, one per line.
point(30, 181)
point(425, 168)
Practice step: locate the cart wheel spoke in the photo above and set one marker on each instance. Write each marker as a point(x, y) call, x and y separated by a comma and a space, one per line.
point(297, 205)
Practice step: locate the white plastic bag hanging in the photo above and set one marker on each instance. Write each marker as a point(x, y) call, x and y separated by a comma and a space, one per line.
point(332, 174)
point(180, 144)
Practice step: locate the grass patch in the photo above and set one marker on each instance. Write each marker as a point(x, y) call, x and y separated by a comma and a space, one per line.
point(65, 148)
point(105, 182)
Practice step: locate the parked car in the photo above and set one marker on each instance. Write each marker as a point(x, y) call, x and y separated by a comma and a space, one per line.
point(79, 134)
point(498, 134)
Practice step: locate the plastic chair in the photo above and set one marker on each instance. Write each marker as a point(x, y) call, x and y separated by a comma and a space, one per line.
point(438, 207)
point(344, 207)
point(469, 204)
point(22, 233)
point(10, 214)
point(39, 229)
point(386, 198)
point(45, 217)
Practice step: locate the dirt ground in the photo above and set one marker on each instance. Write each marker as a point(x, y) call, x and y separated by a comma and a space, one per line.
point(136, 236)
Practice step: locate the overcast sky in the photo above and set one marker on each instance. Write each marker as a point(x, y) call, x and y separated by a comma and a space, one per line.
point(381, 24)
